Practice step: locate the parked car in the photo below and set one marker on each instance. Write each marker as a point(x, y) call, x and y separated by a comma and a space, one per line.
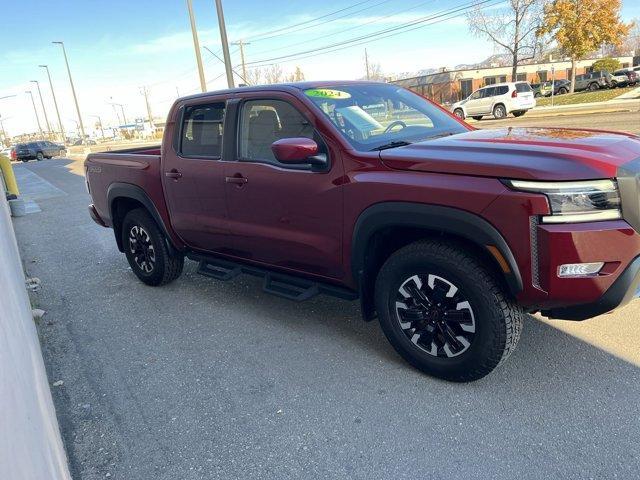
point(38, 150)
point(615, 81)
point(541, 89)
point(498, 100)
point(560, 87)
point(596, 80)
point(632, 77)
point(86, 141)
point(6, 151)
point(446, 233)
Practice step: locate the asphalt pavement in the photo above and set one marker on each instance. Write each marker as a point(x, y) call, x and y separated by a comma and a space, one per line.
point(204, 379)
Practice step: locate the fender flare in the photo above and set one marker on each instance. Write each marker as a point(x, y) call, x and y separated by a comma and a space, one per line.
point(127, 190)
point(433, 217)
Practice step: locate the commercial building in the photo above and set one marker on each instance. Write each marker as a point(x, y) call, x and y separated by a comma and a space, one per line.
point(447, 86)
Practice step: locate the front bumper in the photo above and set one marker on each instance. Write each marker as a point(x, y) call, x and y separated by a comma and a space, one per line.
point(621, 292)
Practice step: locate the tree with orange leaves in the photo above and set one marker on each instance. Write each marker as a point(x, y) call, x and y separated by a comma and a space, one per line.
point(582, 26)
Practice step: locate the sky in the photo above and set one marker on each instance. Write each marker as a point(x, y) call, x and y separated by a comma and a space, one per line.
point(115, 48)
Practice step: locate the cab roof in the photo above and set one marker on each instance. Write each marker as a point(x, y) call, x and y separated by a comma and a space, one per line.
point(284, 87)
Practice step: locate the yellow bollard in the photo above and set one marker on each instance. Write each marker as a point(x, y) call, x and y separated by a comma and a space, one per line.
point(9, 177)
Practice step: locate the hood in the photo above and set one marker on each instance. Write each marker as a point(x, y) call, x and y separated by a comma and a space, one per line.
point(520, 153)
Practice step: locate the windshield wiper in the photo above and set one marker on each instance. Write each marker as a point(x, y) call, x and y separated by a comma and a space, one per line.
point(394, 144)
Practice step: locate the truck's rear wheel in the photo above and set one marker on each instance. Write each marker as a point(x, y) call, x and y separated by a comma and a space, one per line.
point(444, 312)
point(147, 250)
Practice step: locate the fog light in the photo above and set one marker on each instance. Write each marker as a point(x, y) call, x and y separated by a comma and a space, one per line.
point(579, 269)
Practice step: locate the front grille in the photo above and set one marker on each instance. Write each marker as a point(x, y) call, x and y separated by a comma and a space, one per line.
point(629, 184)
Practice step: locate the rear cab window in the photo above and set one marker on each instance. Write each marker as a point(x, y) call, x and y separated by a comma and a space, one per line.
point(201, 130)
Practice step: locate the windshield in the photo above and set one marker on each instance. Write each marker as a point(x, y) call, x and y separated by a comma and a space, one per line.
point(372, 116)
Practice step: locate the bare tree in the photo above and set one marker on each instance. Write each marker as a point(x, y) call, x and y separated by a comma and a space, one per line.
point(273, 74)
point(375, 72)
point(255, 76)
point(513, 29)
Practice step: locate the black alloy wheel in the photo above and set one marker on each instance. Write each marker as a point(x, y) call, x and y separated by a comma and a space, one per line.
point(142, 249)
point(435, 315)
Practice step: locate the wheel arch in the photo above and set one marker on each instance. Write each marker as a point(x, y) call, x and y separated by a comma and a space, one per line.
point(385, 227)
point(124, 197)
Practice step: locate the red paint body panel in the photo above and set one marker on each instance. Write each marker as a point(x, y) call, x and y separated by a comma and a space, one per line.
point(304, 221)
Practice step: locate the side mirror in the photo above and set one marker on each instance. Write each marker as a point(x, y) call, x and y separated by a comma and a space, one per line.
point(296, 151)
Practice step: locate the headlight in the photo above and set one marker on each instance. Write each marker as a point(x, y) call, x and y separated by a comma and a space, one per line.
point(582, 201)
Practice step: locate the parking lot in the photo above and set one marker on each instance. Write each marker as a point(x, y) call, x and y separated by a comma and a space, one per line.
point(209, 379)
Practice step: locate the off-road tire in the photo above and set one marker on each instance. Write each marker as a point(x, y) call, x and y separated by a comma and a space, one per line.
point(39, 156)
point(458, 112)
point(594, 86)
point(167, 265)
point(498, 319)
point(500, 111)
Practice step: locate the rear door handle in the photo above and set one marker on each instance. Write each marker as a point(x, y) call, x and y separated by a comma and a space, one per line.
point(175, 174)
point(236, 179)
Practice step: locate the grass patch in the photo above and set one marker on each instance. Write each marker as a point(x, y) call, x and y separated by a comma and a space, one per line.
point(583, 97)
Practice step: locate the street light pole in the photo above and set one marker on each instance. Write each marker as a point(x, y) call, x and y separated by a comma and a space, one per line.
point(46, 118)
point(225, 44)
point(196, 46)
point(4, 134)
point(35, 110)
point(55, 103)
point(73, 90)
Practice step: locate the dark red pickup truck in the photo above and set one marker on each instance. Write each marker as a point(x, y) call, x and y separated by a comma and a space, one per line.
point(446, 234)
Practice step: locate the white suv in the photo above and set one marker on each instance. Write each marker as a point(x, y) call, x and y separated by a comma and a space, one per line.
point(498, 100)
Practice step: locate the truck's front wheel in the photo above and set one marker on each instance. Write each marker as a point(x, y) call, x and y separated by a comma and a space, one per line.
point(147, 251)
point(444, 312)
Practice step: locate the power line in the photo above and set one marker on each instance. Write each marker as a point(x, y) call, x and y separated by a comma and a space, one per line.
point(388, 32)
point(351, 29)
point(263, 34)
point(323, 23)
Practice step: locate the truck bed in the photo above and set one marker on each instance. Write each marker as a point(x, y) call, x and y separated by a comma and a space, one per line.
point(137, 169)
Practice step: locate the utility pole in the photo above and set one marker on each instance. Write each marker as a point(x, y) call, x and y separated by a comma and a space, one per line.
point(241, 44)
point(225, 44)
point(196, 46)
point(44, 110)
point(73, 90)
point(145, 92)
point(35, 110)
point(366, 63)
point(100, 122)
point(55, 102)
point(177, 91)
point(211, 52)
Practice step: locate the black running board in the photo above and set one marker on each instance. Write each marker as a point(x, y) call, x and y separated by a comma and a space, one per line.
point(280, 284)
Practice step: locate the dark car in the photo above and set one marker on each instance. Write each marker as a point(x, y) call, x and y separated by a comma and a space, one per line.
point(446, 233)
point(560, 87)
point(632, 76)
point(37, 150)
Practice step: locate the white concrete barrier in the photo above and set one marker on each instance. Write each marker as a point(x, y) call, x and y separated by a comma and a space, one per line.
point(30, 443)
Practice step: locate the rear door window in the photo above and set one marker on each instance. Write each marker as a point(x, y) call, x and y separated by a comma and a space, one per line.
point(489, 92)
point(502, 89)
point(202, 129)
